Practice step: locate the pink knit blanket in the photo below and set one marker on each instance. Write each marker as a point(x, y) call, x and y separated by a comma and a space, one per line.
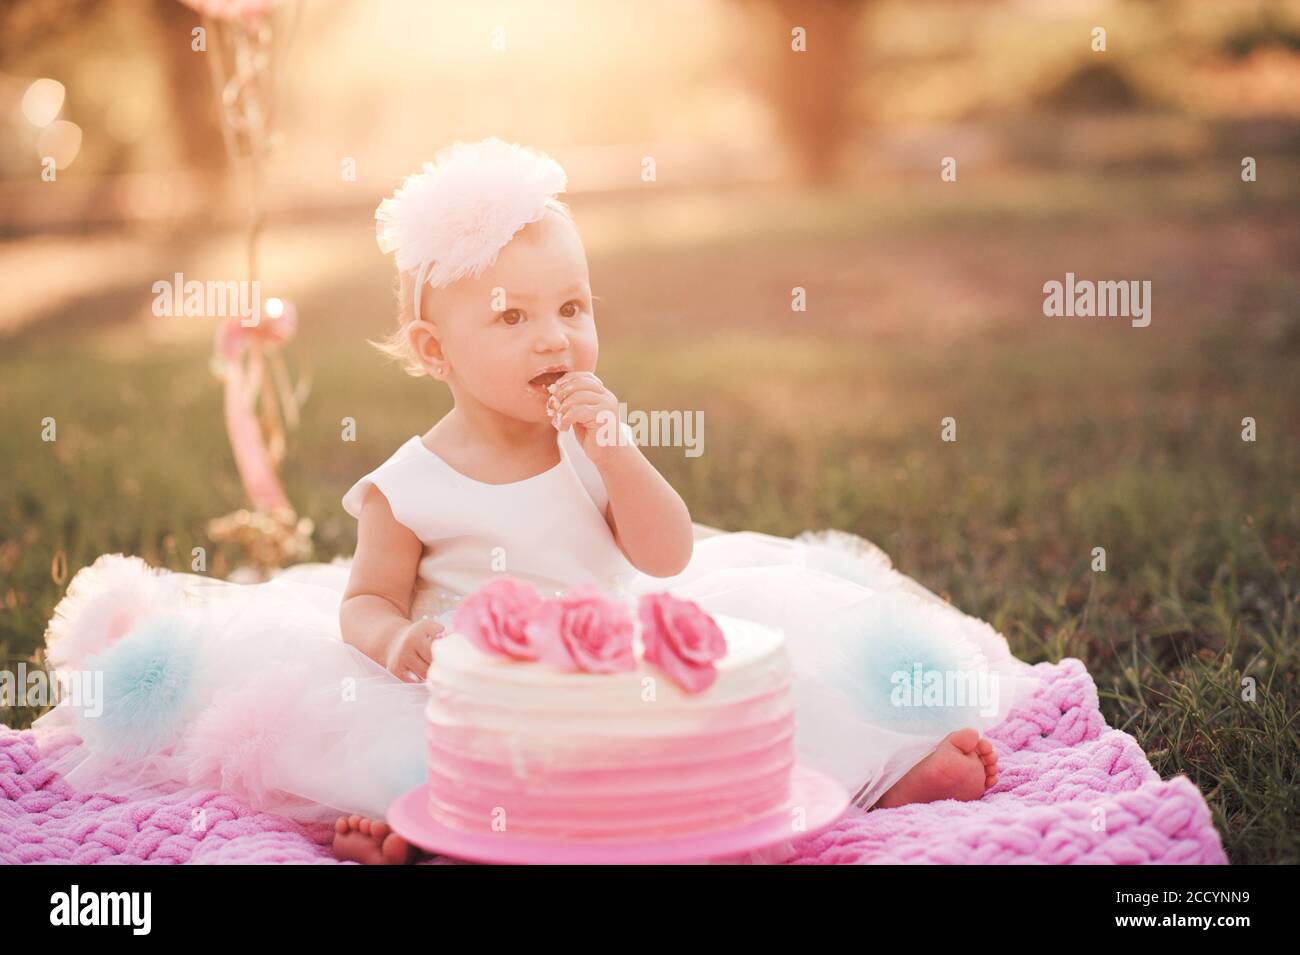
point(1070, 789)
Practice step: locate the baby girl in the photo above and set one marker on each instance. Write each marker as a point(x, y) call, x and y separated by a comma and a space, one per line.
point(495, 302)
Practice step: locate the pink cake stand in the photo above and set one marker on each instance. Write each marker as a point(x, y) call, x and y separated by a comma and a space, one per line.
point(821, 797)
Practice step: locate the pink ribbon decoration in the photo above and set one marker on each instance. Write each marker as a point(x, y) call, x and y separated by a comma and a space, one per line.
point(255, 461)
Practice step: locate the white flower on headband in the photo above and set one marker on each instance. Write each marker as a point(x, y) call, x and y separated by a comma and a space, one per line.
point(451, 220)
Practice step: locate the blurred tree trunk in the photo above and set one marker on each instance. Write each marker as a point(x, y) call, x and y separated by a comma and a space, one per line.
point(811, 91)
point(193, 99)
point(27, 25)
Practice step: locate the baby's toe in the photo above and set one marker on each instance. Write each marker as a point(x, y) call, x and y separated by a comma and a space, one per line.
point(354, 821)
point(983, 747)
point(379, 829)
point(341, 825)
point(964, 739)
point(990, 761)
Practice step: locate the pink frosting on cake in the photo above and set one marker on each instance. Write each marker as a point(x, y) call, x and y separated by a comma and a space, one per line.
point(526, 749)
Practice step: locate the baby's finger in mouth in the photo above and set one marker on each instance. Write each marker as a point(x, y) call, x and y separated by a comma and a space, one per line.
point(583, 392)
point(575, 379)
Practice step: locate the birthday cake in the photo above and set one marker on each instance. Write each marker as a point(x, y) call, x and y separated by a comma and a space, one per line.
point(577, 718)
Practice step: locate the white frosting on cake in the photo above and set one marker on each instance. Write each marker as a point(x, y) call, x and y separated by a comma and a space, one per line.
point(755, 663)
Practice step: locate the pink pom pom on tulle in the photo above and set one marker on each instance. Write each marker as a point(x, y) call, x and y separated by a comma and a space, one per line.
point(234, 744)
point(103, 602)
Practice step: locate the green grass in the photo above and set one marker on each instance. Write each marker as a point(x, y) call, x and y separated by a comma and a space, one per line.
point(1070, 436)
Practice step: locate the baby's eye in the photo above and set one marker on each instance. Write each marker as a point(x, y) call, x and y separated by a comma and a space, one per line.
point(512, 316)
point(577, 307)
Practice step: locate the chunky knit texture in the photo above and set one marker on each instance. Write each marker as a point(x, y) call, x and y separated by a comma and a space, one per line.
point(1070, 790)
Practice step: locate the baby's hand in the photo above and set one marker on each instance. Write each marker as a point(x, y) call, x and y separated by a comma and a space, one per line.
point(579, 400)
point(412, 652)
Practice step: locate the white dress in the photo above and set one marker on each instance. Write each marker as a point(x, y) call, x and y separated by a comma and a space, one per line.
point(250, 688)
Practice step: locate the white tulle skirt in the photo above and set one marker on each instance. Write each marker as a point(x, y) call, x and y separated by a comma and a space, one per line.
point(249, 688)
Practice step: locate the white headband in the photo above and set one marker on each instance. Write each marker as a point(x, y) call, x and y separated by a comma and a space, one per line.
point(452, 220)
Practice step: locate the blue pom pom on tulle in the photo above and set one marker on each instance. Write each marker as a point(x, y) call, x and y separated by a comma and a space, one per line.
point(882, 642)
point(148, 688)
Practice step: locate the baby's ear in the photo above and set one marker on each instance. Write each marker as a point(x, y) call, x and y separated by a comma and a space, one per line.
point(422, 336)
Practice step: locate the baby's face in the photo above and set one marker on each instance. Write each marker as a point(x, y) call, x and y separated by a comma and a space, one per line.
point(529, 312)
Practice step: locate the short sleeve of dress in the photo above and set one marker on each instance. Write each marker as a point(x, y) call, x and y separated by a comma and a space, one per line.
point(393, 478)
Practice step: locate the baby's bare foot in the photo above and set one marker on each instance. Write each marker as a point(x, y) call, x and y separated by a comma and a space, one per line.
point(961, 767)
point(370, 842)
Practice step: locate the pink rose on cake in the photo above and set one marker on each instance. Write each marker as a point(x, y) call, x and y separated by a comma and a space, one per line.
point(681, 639)
point(494, 617)
point(584, 629)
